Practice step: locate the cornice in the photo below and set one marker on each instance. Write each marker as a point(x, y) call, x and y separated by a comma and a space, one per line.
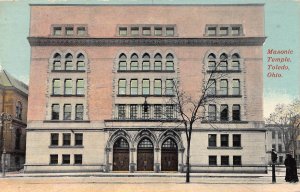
point(63, 41)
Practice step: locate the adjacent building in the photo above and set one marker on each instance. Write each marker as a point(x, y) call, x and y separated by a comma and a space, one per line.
point(93, 67)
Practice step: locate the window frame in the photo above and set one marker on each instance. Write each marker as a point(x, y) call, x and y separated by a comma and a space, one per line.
point(121, 88)
point(68, 87)
point(145, 87)
point(66, 139)
point(224, 140)
point(53, 141)
point(225, 160)
point(212, 114)
point(134, 89)
point(224, 115)
point(78, 139)
point(66, 157)
point(55, 112)
point(212, 140)
point(157, 87)
point(79, 113)
point(212, 160)
point(80, 90)
point(67, 112)
point(52, 158)
point(236, 113)
point(236, 142)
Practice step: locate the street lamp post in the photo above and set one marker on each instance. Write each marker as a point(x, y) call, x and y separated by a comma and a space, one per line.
point(5, 117)
point(274, 159)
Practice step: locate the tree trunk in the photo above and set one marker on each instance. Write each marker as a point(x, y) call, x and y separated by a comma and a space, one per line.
point(187, 178)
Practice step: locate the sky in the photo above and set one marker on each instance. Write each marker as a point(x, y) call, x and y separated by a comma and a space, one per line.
point(282, 29)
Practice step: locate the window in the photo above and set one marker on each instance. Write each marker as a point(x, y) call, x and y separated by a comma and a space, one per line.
point(78, 159)
point(157, 31)
point(212, 140)
point(279, 148)
point(134, 62)
point(146, 31)
point(57, 62)
point(146, 113)
point(212, 160)
point(224, 113)
point(224, 87)
point(122, 87)
point(235, 63)
point(157, 111)
point(79, 112)
point(19, 110)
point(53, 159)
point(146, 62)
point(69, 31)
point(169, 87)
point(212, 113)
point(273, 134)
point(134, 87)
point(81, 31)
point(224, 160)
point(69, 65)
point(122, 62)
point(55, 112)
point(236, 140)
point(170, 31)
point(134, 31)
point(170, 62)
point(121, 111)
point(169, 111)
point(56, 87)
point(66, 139)
point(279, 135)
point(236, 31)
point(78, 139)
point(65, 159)
point(146, 86)
point(224, 140)
point(157, 87)
point(80, 63)
point(18, 135)
point(212, 31)
point(211, 62)
point(274, 147)
point(157, 62)
point(223, 62)
point(133, 111)
point(67, 112)
point(68, 87)
point(237, 160)
point(80, 87)
point(236, 113)
point(123, 31)
point(54, 139)
point(223, 30)
point(236, 87)
point(211, 87)
point(57, 31)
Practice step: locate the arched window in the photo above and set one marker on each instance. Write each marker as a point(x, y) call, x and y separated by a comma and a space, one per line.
point(146, 62)
point(224, 87)
point(57, 61)
point(122, 62)
point(134, 64)
point(235, 64)
point(170, 62)
point(145, 143)
point(69, 62)
point(19, 109)
point(18, 139)
point(169, 144)
point(211, 62)
point(121, 143)
point(80, 62)
point(157, 62)
point(223, 62)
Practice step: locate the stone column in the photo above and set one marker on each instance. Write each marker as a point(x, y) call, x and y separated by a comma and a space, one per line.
point(107, 160)
point(132, 163)
point(157, 160)
point(181, 160)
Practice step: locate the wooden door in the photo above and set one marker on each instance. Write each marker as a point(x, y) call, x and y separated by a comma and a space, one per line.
point(169, 156)
point(145, 160)
point(121, 155)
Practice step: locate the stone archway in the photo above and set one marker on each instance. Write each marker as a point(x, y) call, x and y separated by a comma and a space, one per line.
point(145, 155)
point(169, 155)
point(121, 155)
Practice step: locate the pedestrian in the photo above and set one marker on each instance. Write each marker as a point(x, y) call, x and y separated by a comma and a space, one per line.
point(294, 170)
point(288, 165)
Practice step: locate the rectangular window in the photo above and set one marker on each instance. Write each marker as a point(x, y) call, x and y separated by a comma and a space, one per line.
point(211, 87)
point(134, 31)
point(157, 87)
point(274, 147)
point(122, 87)
point(157, 111)
point(237, 160)
point(121, 111)
point(81, 31)
point(236, 140)
point(169, 111)
point(133, 111)
point(69, 66)
point(279, 135)
point(223, 31)
point(236, 113)
point(79, 112)
point(69, 31)
point(212, 140)
point(170, 31)
point(80, 87)
point(66, 139)
point(56, 65)
point(169, 87)
point(78, 139)
point(157, 31)
point(169, 65)
point(122, 65)
point(57, 31)
point(66, 159)
point(212, 31)
point(235, 65)
point(123, 31)
point(279, 148)
point(273, 134)
point(53, 159)
point(223, 66)
point(146, 31)
point(223, 87)
point(68, 87)
point(56, 87)
point(212, 113)
point(235, 31)
point(212, 160)
point(145, 113)
point(80, 66)
point(157, 65)
point(134, 65)
point(67, 111)
point(134, 87)
point(146, 65)
point(211, 65)
point(55, 112)
point(224, 140)
point(236, 87)
point(54, 139)
point(224, 113)
point(78, 159)
point(146, 87)
point(225, 160)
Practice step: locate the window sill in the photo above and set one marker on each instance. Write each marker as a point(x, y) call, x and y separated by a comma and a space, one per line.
point(68, 71)
point(118, 95)
point(66, 146)
point(227, 148)
point(146, 71)
point(224, 96)
point(66, 95)
point(66, 121)
point(224, 122)
point(223, 71)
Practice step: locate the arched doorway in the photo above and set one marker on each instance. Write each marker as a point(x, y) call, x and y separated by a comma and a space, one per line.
point(145, 155)
point(121, 155)
point(169, 155)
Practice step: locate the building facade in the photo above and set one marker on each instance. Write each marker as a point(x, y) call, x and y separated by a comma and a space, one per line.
point(13, 101)
point(93, 68)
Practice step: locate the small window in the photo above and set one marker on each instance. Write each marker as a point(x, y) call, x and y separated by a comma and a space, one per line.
point(273, 134)
point(169, 87)
point(69, 63)
point(224, 113)
point(122, 87)
point(225, 160)
point(237, 160)
point(69, 31)
point(146, 31)
point(57, 31)
point(80, 87)
point(223, 31)
point(224, 87)
point(53, 159)
point(235, 63)
point(236, 116)
point(66, 159)
point(157, 62)
point(157, 111)
point(80, 63)
point(170, 31)
point(157, 87)
point(223, 62)
point(78, 159)
point(146, 87)
point(56, 65)
point(55, 112)
point(146, 62)
point(211, 62)
point(212, 31)
point(66, 139)
point(134, 31)
point(211, 87)
point(133, 111)
point(134, 87)
point(121, 111)
point(123, 31)
point(170, 62)
point(212, 160)
point(146, 112)
point(68, 87)
point(78, 139)
point(67, 111)
point(169, 111)
point(224, 140)
point(81, 31)
point(212, 140)
point(279, 148)
point(56, 87)
point(79, 112)
point(279, 135)
point(236, 87)
point(158, 31)
point(212, 113)
point(54, 139)
point(134, 65)
point(236, 140)
point(19, 110)
point(236, 31)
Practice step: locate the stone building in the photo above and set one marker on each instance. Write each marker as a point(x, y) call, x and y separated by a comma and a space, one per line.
point(13, 101)
point(94, 66)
